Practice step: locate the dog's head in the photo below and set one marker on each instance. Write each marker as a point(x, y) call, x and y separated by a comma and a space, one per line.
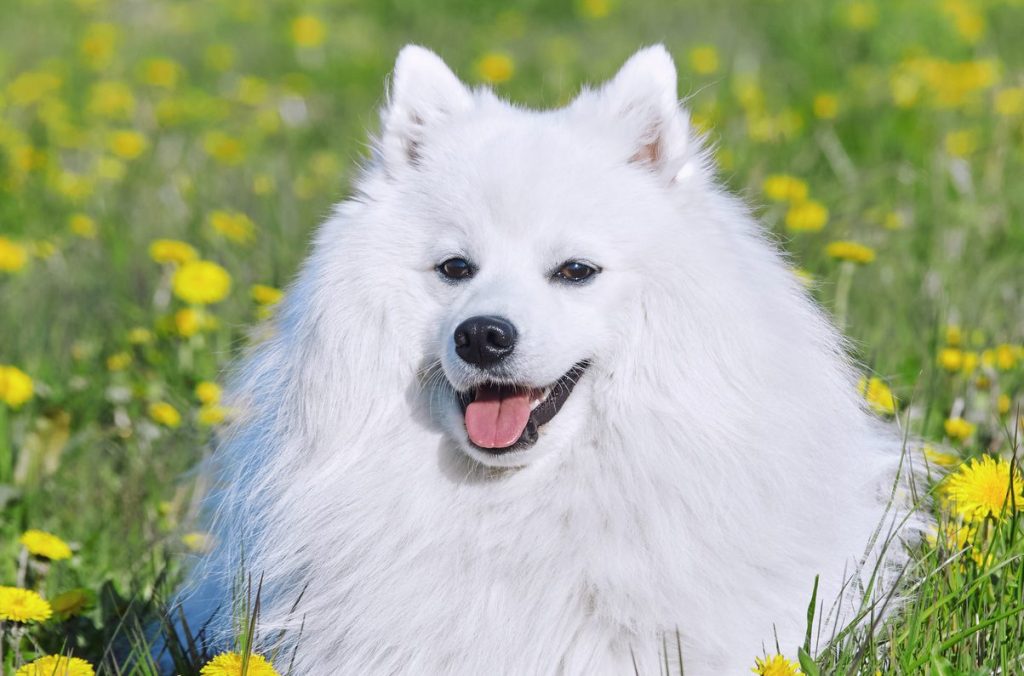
point(533, 231)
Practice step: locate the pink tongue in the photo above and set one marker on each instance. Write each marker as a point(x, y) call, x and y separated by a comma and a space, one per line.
point(496, 421)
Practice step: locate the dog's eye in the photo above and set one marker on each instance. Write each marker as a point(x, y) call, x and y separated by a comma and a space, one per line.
point(575, 271)
point(456, 268)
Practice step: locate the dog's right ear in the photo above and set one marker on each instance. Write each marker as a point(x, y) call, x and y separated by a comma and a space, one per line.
point(423, 93)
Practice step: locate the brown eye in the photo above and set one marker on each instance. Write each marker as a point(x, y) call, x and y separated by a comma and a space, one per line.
point(575, 271)
point(456, 269)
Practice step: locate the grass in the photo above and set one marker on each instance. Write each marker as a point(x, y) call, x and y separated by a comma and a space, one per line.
point(904, 119)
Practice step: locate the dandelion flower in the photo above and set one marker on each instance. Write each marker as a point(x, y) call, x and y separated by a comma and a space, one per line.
point(23, 605)
point(119, 361)
point(266, 295)
point(940, 458)
point(161, 72)
point(128, 144)
point(878, 395)
point(984, 487)
point(83, 226)
point(1005, 357)
point(951, 359)
point(495, 67)
point(140, 335)
point(197, 542)
point(211, 414)
point(201, 283)
point(1003, 404)
point(16, 386)
point(777, 665)
point(230, 664)
point(308, 31)
point(13, 256)
point(826, 106)
point(47, 545)
point(1010, 102)
point(595, 9)
point(165, 414)
point(853, 252)
point(208, 392)
point(234, 225)
point(809, 216)
point(56, 665)
point(704, 60)
point(227, 150)
point(785, 188)
point(961, 143)
point(958, 428)
point(171, 251)
point(189, 321)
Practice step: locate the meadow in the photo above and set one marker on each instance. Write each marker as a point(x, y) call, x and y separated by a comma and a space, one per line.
point(163, 163)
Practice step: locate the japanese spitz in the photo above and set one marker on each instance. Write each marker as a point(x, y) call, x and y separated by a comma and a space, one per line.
point(543, 394)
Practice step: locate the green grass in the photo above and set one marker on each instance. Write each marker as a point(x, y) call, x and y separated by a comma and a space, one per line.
point(920, 140)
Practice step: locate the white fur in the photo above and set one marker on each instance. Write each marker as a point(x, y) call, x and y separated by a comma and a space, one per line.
point(713, 459)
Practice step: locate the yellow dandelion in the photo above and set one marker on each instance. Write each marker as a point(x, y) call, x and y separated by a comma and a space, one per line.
point(172, 251)
point(13, 256)
point(954, 335)
point(860, 15)
point(776, 665)
point(82, 225)
point(16, 386)
point(208, 392)
point(161, 72)
point(201, 282)
point(595, 9)
point(128, 144)
point(210, 415)
point(495, 67)
point(266, 295)
point(984, 487)
point(1005, 357)
point(119, 361)
point(197, 542)
point(230, 664)
point(940, 458)
point(877, 394)
point(955, 538)
point(23, 605)
point(140, 335)
point(826, 106)
point(854, 252)
point(225, 149)
point(704, 60)
point(98, 45)
point(1010, 102)
point(809, 216)
point(951, 359)
point(961, 143)
point(959, 429)
point(188, 322)
point(46, 545)
point(785, 188)
point(234, 225)
point(33, 86)
point(308, 31)
point(164, 414)
point(1003, 404)
point(56, 665)
point(111, 99)
point(971, 360)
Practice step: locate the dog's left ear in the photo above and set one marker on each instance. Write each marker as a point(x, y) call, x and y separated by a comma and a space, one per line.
point(642, 101)
point(424, 92)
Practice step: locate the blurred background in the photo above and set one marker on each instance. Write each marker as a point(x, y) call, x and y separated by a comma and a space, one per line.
point(163, 162)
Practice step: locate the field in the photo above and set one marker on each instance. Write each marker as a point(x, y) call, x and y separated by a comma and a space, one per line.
point(163, 163)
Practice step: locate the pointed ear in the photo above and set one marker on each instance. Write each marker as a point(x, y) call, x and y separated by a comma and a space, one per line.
point(642, 102)
point(423, 92)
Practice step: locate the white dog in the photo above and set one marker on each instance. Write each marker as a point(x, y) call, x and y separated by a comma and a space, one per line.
point(542, 395)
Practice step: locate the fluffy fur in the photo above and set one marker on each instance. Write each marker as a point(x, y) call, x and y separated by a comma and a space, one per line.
point(712, 460)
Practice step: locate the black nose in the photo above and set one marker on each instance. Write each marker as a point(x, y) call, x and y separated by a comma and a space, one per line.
point(484, 341)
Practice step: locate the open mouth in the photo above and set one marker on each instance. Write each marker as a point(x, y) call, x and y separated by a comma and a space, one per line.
point(501, 417)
